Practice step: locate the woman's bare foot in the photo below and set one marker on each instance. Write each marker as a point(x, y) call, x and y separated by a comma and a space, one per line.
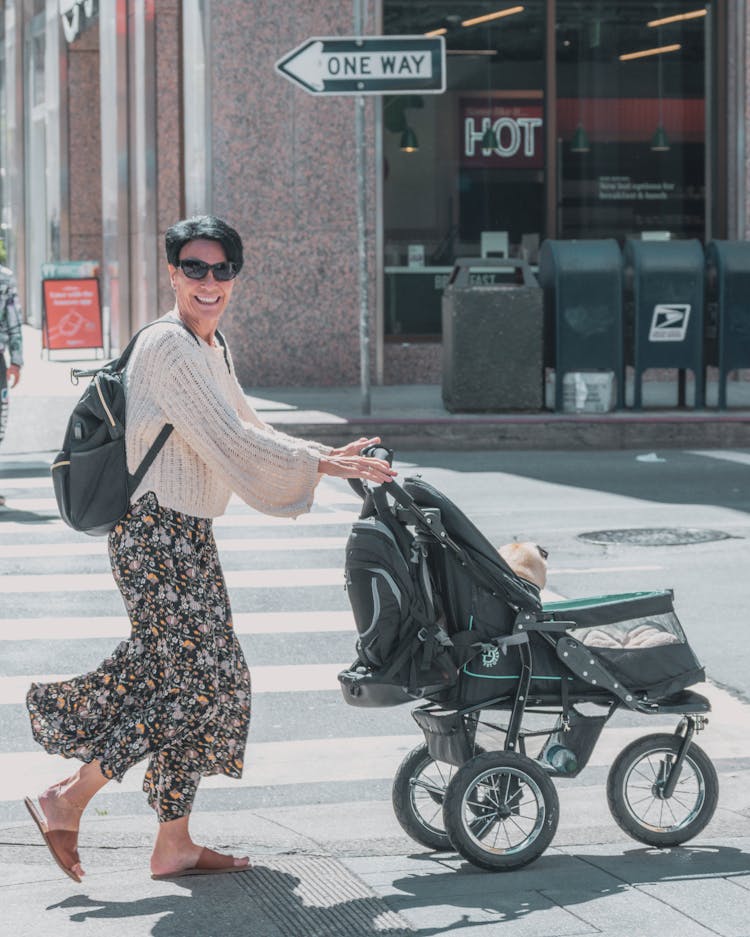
point(166, 862)
point(175, 853)
point(61, 813)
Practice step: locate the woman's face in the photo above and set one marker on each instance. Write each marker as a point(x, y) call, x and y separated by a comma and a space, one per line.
point(201, 302)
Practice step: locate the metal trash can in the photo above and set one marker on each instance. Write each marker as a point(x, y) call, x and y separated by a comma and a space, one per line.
point(492, 336)
point(728, 278)
point(668, 297)
point(583, 321)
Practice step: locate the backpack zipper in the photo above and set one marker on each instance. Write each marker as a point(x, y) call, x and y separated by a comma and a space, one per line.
point(59, 464)
point(101, 398)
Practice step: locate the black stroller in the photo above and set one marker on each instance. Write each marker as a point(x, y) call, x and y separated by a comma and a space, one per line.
point(472, 639)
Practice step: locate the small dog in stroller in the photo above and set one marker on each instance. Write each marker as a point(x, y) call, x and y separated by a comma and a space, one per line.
point(443, 620)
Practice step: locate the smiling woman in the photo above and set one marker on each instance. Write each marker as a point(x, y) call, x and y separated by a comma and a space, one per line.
point(178, 691)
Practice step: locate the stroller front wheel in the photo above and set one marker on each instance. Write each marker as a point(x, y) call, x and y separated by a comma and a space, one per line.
point(636, 797)
point(501, 811)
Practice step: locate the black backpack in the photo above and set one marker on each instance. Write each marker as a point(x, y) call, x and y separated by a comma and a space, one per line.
point(401, 638)
point(90, 474)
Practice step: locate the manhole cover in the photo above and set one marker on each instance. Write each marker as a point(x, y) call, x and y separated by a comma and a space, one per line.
point(655, 536)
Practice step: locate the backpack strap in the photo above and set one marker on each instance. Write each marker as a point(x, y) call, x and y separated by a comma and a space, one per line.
point(117, 366)
point(155, 448)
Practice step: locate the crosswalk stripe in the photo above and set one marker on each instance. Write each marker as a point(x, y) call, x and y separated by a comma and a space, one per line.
point(236, 579)
point(325, 493)
point(325, 760)
point(50, 504)
point(118, 626)
point(99, 547)
point(282, 678)
point(268, 764)
point(313, 519)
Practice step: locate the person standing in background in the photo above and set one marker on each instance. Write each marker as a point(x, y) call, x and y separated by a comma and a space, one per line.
point(11, 338)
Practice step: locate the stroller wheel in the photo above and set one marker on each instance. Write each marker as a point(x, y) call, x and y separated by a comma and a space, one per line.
point(635, 788)
point(418, 793)
point(501, 811)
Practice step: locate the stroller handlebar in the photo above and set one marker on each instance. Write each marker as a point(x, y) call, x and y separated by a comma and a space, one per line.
point(372, 452)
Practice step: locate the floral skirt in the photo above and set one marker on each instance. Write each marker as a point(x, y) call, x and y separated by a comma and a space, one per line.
point(178, 690)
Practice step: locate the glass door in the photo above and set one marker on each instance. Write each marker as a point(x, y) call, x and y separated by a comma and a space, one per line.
point(631, 119)
point(463, 170)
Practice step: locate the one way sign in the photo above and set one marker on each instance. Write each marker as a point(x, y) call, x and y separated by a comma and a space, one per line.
point(367, 65)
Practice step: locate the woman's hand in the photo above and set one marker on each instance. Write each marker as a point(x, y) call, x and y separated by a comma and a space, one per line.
point(376, 471)
point(354, 448)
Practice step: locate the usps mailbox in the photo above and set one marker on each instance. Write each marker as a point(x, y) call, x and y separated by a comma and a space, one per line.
point(668, 297)
point(728, 267)
point(582, 283)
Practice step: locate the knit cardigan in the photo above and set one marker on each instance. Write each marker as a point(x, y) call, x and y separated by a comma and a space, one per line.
point(219, 444)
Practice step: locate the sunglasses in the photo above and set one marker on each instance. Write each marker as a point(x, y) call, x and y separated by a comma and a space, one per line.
point(542, 552)
point(198, 269)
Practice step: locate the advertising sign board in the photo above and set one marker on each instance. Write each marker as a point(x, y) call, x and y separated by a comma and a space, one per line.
point(72, 314)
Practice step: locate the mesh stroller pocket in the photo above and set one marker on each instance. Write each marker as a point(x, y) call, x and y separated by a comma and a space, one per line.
point(637, 637)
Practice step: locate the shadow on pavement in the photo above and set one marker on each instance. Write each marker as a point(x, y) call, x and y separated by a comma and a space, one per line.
point(263, 901)
point(279, 904)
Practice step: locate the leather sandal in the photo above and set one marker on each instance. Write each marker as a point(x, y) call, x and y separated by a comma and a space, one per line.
point(62, 844)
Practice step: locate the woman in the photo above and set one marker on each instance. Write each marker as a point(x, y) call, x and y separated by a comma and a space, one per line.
point(178, 691)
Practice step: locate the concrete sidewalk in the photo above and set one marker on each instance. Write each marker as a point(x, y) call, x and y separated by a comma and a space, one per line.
point(407, 416)
point(343, 871)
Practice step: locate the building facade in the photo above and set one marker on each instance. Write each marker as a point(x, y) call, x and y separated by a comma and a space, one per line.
point(560, 118)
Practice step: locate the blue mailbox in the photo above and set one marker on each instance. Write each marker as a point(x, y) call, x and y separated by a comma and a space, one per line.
point(668, 294)
point(728, 265)
point(582, 283)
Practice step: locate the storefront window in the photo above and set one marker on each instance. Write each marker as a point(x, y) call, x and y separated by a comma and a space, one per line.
point(446, 192)
point(631, 119)
point(630, 153)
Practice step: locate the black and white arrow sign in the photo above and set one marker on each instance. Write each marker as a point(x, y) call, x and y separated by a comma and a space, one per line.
point(367, 65)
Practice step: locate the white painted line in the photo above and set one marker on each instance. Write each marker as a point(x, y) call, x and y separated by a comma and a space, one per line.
point(287, 678)
point(118, 627)
point(723, 455)
point(98, 547)
point(315, 761)
point(267, 764)
point(322, 497)
point(236, 579)
point(313, 519)
point(602, 569)
point(25, 482)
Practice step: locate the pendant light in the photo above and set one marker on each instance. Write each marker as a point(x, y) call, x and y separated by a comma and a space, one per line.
point(409, 142)
point(580, 142)
point(660, 141)
point(489, 137)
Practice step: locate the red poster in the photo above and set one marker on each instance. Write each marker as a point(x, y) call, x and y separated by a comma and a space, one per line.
point(518, 128)
point(72, 314)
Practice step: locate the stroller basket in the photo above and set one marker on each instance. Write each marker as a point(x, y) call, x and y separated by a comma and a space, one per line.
point(446, 735)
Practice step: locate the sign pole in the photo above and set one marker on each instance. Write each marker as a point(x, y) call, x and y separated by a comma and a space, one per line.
point(364, 309)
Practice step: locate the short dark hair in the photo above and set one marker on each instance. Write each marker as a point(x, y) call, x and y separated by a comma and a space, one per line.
point(205, 227)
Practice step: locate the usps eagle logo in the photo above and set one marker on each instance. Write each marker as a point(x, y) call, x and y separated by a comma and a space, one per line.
point(669, 322)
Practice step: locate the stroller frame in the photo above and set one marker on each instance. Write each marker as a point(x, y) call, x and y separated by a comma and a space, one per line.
point(490, 788)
